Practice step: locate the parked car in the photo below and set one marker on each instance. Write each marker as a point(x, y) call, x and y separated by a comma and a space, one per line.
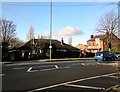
point(117, 54)
point(105, 56)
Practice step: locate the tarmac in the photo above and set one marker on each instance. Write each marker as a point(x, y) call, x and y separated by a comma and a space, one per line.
point(111, 63)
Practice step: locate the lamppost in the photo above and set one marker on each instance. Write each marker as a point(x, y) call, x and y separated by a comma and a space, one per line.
point(118, 29)
point(50, 26)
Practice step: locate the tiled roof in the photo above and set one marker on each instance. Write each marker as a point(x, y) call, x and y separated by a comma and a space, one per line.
point(81, 46)
point(114, 38)
point(102, 37)
point(40, 42)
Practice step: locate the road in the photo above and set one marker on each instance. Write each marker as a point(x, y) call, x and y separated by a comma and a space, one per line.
point(64, 75)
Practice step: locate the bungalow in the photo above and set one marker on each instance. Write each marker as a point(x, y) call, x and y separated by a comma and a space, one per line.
point(39, 48)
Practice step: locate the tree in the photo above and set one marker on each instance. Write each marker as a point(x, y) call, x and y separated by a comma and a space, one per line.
point(8, 34)
point(108, 23)
point(8, 37)
point(16, 42)
point(8, 30)
point(30, 34)
point(70, 40)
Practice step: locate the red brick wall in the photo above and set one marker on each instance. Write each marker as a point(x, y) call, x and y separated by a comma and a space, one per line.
point(93, 44)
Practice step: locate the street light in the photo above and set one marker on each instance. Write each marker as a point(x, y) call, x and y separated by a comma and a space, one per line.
point(50, 26)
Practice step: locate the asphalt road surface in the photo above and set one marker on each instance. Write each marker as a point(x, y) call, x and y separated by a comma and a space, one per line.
point(81, 76)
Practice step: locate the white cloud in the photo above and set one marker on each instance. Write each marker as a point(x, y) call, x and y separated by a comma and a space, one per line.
point(69, 31)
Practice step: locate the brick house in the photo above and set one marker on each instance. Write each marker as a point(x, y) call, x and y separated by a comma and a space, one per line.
point(81, 46)
point(101, 41)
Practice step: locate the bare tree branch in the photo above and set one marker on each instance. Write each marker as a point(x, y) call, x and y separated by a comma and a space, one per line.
point(8, 30)
point(108, 23)
point(30, 34)
point(8, 33)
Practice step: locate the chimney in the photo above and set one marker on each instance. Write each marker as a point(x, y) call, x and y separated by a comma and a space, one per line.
point(91, 36)
point(70, 40)
point(40, 37)
point(62, 41)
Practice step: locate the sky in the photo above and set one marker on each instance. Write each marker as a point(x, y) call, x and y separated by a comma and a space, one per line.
point(69, 19)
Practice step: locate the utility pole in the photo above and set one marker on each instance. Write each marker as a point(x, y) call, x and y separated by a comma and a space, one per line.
point(50, 27)
point(118, 31)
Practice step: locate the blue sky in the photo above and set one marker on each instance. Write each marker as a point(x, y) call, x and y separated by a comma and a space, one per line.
point(76, 19)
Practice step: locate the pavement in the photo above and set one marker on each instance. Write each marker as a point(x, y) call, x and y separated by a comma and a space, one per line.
point(47, 60)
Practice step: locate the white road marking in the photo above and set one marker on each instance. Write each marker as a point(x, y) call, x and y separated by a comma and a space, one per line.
point(19, 68)
point(44, 70)
point(87, 64)
point(18, 64)
point(81, 86)
point(44, 66)
point(113, 77)
point(33, 71)
point(89, 78)
point(83, 64)
point(93, 63)
point(77, 64)
point(2, 75)
point(115, 86)
point(46, 87)
point(29, 69)
point(68, 67)
point(56, 66)
point(49, 69)
point(65, 83)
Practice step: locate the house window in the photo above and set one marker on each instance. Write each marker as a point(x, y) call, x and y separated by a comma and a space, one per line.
point(89, 44)
point(62, 50)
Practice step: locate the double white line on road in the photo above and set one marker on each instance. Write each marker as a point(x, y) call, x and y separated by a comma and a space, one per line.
point(81, 86)
point(19, 68)
point(30, 69)
point(66, 83)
